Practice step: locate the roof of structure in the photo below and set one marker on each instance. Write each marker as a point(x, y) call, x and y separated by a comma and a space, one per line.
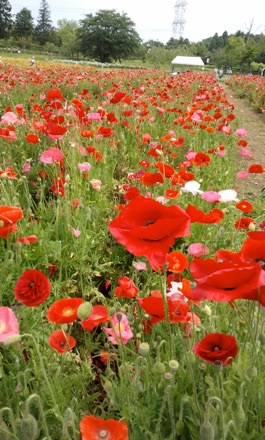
point(187, 61)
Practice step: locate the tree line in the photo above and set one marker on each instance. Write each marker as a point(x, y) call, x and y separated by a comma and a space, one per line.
point(108, 36)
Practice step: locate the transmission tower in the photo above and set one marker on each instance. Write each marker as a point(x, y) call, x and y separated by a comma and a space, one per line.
point(179, 21)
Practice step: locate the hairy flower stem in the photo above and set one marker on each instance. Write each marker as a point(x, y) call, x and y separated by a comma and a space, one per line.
point(42, 367)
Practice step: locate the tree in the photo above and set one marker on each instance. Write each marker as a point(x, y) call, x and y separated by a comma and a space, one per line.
point(24, 24)
point(5, 18)
point(67, 33)
point(108, 36)
point(44, 30)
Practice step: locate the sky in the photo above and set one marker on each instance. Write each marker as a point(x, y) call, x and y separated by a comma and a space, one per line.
point(154, 19)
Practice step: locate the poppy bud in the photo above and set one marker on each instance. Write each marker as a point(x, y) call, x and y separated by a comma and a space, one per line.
point(29, 427)
point(4, 431)
point(144, 349)
point(12, 340)
point(159, 368)
point(251, 226)
point(84, 310)
point(207, 431)
point(173, 365)
point(252, 372)
point(179, 427)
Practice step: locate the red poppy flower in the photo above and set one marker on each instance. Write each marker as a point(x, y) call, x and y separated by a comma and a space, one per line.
point(201, 159)
point(54, 94)
point(165, 169)
point(64, 310)
point(198, 216)
point(94, 428)
point(98, 315)
point(256, 168)
point(171, 193)
point(244, 206)
point(131, 192)
point(61, 341)
point(9, 215)
point(117, 97)
point(244, 222)
point(225, 281)
point(126, 288)
point(216, 348)
point(148, 228)
point(28, 239)
point(32, 138)
point(150, 179)
point(177, 262)
point(32, 288)
point(154, 306)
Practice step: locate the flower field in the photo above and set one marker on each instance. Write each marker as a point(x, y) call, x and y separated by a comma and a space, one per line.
point(132, 262)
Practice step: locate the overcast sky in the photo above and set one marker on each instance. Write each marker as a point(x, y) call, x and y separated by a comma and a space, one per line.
point(154, 19)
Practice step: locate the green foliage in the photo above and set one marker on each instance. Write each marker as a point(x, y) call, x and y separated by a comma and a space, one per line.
point(108, 36)
point(5, 18)
point(24, 26)
point(44, 29)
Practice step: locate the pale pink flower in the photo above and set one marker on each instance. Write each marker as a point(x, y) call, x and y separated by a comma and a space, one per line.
point(242, 175)
point(211, 196)
point(121, 332)
point(228, 195)
point(193, 187)
point(85, 166)
point(196, 117)
point(241, 132)
point(226, 129)
point(221, 153)
point(26, 168)
point(162, 200)
point(171, 132)
point(75, 232)
point(94, 116)
point(42, 96)
point(9, 118)
point(82, 151)
point(8, 323)
point(190, 155)
point(245, 153)
point(140, 265)
point(198, 249)
point(51, 155)
point(96, 184)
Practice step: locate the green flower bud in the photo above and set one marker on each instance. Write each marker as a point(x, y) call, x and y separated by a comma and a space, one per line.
point(179, 427)
point(173, 365)
point(144, 349)
point(84, 310)
point(207, 431)
point(159, 368)
point(252, 372)
point(12, 340)
point(29, 427)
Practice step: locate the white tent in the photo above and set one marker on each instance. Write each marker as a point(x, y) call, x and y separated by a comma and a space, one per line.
point(187, 61)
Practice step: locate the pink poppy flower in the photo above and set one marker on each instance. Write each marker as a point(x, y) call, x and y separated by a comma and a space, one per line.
point(121, 332)
point(26, 168)
point(85, 166)
point(198, 249)
point(75, 232)
point(9, 118)
point(94, 116)
point(245, 153)
point(226, 129)
point(241, 132)
point(140, 265)
point(242, 175)
point(8, 323)
point(51, 155)
point(96, 184)
point(211, 196)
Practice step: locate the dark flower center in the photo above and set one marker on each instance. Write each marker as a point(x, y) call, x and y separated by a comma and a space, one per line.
point(150, 222)
point(229, 288)
point(216, 348)
point(261, 262)
point(31, 284)
point(62, 343)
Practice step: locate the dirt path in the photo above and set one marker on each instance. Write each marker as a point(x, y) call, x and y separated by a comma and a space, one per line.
point(255, 127)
